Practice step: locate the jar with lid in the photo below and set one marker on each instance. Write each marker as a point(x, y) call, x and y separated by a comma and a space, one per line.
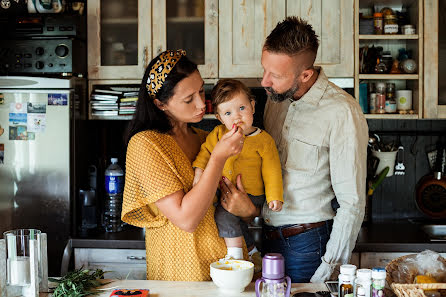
point(390, 98)
point(363, 283)
point(346, 280)
point(378, 23)
point(390, 24)
point(378, 282)
point(408, 29)
point(380, 97)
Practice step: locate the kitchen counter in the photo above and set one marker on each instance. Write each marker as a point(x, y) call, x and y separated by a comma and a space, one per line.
point(379, 237)
point(197, 289)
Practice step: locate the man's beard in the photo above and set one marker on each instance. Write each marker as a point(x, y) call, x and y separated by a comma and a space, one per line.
point(276, 97)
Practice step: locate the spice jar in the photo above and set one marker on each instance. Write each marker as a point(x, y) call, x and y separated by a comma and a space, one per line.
point(408, 29)
point(390, 24)
point(378, 23)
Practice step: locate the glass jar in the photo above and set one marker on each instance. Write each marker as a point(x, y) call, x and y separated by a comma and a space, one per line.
point(378, 23)
point(390, 98)
point(390, 24)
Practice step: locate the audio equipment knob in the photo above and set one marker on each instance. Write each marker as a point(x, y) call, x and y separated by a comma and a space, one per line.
point(39, 65)
point(62, 51)
point(39, 51)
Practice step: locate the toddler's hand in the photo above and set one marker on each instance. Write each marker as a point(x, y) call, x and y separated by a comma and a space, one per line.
point(275, 205)
point(197, 176)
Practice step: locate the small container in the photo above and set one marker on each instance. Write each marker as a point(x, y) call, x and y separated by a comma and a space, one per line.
point(404, 99)
point(408, 29)
point(378, 282)
point(378, 23)
point(346, 280)
point(390, 24)
point(363, 283)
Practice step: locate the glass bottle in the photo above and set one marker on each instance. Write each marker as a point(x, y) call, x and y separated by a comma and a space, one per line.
point(378, 23)
point(390, 98)
point(380, 97)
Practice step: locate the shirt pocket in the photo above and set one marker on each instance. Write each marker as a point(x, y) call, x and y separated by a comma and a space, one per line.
point(302, 157)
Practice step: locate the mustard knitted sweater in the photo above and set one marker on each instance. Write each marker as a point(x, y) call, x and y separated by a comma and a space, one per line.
point(258, 163)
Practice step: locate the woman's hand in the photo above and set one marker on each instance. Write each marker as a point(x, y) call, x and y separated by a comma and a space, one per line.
point(236, 201)
point(230, 144)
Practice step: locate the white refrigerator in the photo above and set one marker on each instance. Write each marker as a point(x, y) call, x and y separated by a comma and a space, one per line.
point(37, 143)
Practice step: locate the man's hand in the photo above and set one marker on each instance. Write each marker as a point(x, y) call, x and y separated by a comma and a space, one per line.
point(323, 272)
point(236, 201)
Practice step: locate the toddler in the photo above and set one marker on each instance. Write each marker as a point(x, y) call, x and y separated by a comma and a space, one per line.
point(258, 162)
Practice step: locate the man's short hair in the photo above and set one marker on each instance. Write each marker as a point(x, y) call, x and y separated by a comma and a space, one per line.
point(292, 36)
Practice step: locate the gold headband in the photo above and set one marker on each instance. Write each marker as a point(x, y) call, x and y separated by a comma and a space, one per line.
point(166, 61)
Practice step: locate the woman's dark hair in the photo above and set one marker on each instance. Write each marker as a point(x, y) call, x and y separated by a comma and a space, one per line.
point(149, 117)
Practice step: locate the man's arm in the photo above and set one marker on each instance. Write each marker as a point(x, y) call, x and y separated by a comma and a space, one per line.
point(348, 155)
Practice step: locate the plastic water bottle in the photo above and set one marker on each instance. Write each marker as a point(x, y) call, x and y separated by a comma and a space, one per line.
point(114, 186)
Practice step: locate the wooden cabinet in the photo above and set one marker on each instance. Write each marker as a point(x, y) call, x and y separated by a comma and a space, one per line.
point(333, 23)
point(392, 43)
point(118, 263)
point(355, 259)
point(435, 59)
point(189, 25)
point(119, 38)
point(243, 27)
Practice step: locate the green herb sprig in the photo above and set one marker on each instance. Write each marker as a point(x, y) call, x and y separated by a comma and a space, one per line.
point(78, 283)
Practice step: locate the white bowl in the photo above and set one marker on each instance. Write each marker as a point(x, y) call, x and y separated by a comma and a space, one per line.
point(232, 276)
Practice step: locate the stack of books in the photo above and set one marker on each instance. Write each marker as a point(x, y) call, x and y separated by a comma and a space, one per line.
point(113, 101)
point(104, 102)
point(127, 104)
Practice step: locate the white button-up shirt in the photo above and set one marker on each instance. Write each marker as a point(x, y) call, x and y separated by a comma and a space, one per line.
point(322, 143)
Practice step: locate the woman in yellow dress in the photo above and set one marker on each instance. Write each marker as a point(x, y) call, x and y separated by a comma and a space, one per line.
point(181, 234)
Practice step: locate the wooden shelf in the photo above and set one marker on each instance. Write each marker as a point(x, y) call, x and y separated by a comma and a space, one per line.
point(388, 76)
point(388, 37)
point(120, 21)
point(394, 116)
point(186, 20)
point(118, 117)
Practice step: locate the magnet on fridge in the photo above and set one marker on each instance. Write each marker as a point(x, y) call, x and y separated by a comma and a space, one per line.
point(1, 130)
point(2, 98)
point(57, 99)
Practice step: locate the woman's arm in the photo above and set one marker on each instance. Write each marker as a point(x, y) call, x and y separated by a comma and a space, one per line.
point(187, 210)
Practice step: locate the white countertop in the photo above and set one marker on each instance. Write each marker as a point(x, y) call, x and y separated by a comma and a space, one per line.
point(197, 289)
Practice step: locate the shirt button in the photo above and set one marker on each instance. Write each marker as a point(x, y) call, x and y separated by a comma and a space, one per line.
point(267, 220)
point(286, 127)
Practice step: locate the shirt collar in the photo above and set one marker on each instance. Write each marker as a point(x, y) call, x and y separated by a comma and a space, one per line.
point(317, 90)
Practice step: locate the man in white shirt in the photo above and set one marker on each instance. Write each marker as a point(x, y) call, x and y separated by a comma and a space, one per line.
point(321, 134)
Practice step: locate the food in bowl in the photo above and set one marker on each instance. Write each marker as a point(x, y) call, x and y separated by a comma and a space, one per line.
point(232, 276)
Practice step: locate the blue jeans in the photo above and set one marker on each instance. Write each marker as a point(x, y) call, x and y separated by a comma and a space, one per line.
point(302, 252)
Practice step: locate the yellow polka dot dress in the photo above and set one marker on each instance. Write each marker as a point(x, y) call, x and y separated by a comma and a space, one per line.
point(156, 167)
